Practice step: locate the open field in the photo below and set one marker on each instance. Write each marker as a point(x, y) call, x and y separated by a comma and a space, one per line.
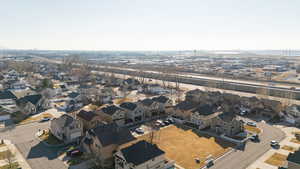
point(184, 146)
point(276, 159)
point(252, 129)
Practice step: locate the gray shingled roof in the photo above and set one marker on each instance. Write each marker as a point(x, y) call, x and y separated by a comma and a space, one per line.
point(141, 152)
point(86, 115)
point(110, 109)
point(205, 109)
point(112, 134)
point(128, 105)
point(6, 94)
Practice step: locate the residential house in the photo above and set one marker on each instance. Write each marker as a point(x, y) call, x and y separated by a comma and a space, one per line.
point(4, 114)
point(134, 113)
point(8, 100)
point(130, 84)
point(148, 106)
point(293, 161)
point(75, 98)
point(184, 109)
point(292, 114)
point(66, 128)
point(152, 89)
point(106, 95)
point(227, 123)
point(104, 140)
point(163, 104)
point(141, 155)
point(204, 115)
point(112, 113)
point(31, 104)
point(88, 119)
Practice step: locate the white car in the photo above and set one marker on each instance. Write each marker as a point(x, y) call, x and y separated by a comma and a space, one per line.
point(274, 143)
point(249, 123)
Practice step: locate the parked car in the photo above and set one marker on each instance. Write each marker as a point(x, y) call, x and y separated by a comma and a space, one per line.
point(249, 123)
point(45, 119)
point(74, 153)
point(171, 121)
point(274, 144)
point(167, 122)
point(255, 138)
point(139, 131)
point(243, 112)
point(209, 163)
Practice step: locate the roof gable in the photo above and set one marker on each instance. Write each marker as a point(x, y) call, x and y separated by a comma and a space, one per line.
point(128, 105)
point(112, 134)
point(141, 152)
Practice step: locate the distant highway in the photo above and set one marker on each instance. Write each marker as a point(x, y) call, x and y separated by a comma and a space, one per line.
point(276, 90)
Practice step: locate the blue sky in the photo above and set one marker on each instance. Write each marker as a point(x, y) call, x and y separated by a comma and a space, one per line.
point(150, 24)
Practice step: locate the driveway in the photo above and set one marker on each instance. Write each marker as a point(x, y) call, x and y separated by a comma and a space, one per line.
point(37, 154)
point(241, 159)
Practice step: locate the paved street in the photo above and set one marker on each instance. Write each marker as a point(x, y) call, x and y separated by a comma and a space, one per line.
point(37, 154)
point(242, 159)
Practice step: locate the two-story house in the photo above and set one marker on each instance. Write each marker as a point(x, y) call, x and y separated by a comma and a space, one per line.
point(184, 109)
point(66, 128)
point(104, 140)
point(31, 104)
point(204, 115)
point(162, 104)
point(293, 161)
point(88, 119)
point(148, 106)
point(134, 113)
point(227, 123)
point(112, 113)
point(141, 155)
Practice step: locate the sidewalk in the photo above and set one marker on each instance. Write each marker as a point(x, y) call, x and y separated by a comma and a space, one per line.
point(19, 158)
point(260, 163)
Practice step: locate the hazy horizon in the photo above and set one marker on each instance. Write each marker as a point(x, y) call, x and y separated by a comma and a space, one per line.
point(150, 25)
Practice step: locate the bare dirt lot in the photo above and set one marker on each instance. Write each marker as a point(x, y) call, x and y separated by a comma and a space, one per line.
point(184, 146)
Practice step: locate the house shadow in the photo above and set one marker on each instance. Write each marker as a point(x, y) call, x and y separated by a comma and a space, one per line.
point(208, 134)
point(41, 150)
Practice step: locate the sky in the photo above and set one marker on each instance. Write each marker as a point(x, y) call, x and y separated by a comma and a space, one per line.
point(150, 24)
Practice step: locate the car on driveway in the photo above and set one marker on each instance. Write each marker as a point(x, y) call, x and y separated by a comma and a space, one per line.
point(249, 123)
point(45, 119)
point(74, 153)
point(255, 138)
point(274, 144)
point(139, 131)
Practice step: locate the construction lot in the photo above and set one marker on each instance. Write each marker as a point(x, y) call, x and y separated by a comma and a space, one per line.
point(184, 146)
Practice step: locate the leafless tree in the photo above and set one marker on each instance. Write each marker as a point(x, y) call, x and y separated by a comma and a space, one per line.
point(9, 158)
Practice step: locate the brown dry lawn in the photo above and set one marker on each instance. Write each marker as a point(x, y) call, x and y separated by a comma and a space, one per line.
point(252, 129)
point(36, 118)
point(294, 140)
point(276, 159)
point(289, 148)
point(122, 100)
point(183, 146)
point(296, 132)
